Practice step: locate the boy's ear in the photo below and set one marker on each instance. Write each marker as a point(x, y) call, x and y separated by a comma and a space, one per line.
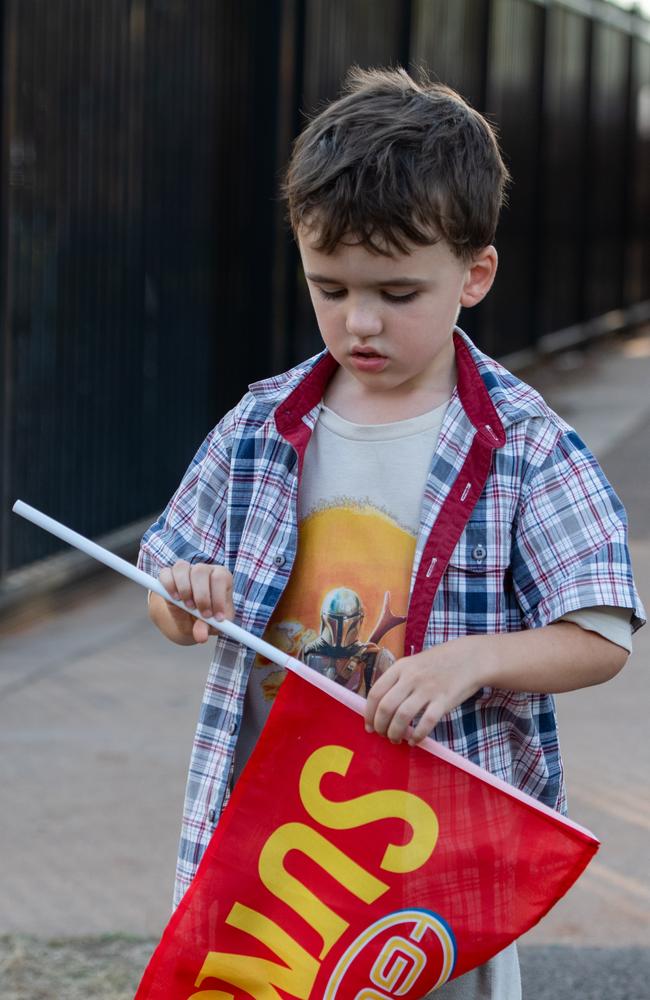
point(480, 275)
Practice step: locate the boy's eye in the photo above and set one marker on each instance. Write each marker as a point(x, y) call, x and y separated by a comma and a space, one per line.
point(397, 299)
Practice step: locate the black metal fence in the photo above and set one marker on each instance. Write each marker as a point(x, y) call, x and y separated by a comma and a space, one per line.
point(146, 273)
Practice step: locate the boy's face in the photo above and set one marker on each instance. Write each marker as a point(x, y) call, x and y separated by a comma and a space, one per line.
point(389, 321)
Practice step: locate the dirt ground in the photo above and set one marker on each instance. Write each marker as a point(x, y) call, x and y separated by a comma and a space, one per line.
point(110, 968)
point(105, 968)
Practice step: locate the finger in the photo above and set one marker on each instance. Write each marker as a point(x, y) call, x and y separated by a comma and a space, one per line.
point(201, 592)
point(200, 631)
point(429, 720)
point(166, 578)
point(399, 725)
point(221, 593)
point(379, 690)
point(181, 574)
point(389, 705)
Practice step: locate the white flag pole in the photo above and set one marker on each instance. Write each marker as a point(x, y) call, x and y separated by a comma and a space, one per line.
point(150, 583)
point(342, 694)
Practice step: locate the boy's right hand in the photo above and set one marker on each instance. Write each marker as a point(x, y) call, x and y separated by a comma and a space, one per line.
point(203, 586)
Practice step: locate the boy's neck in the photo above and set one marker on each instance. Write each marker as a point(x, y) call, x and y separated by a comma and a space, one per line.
point(356, 403)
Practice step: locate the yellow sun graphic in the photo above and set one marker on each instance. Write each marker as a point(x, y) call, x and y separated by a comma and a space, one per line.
point(357, 547)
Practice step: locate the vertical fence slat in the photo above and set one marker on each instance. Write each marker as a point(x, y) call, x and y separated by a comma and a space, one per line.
point(7, 42)
point(637, 268)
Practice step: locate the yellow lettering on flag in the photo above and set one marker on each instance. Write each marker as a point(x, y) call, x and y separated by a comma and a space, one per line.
point(394, 959)
point(354, 878)
point(258, 976)
point(212, 995)
point(385, 804)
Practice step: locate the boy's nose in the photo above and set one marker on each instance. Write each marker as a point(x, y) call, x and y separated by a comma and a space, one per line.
point(362, 321)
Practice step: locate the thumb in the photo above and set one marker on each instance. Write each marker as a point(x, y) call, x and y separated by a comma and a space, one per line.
point(200, 631)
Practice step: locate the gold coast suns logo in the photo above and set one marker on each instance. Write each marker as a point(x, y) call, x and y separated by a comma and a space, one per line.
point(402, 951)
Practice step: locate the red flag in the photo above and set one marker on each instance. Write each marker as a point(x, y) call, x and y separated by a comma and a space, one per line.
point(347, 867)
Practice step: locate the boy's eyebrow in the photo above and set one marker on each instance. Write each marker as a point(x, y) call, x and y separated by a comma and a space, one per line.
point(324, 279)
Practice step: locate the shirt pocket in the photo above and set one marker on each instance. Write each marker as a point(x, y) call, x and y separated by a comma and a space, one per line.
point(476, 591)
point(482, 549)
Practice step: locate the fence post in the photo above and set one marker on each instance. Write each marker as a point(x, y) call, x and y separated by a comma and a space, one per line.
point(540, 189)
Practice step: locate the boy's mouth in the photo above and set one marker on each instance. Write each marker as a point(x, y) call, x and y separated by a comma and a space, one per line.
point(366, 359)
point(366, 352)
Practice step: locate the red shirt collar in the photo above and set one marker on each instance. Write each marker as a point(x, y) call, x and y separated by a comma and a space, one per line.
point(471, 388)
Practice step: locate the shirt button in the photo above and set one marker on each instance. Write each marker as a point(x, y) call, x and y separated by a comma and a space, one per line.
point(232, 729)
point(479, 553)
point(279, 560)
point(212, 815)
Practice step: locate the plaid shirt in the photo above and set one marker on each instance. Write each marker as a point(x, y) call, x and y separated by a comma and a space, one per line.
point(546, 536)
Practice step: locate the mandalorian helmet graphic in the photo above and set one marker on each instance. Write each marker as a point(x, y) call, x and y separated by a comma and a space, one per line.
point(341, 616)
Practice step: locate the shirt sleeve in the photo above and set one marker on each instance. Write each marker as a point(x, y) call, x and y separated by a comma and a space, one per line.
point(612, 623)
point(193, 524)
point(570, 546)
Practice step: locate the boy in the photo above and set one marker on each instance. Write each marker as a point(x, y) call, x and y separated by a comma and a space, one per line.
point(400, 511)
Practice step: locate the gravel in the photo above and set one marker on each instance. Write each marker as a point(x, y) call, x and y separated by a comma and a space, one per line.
point(105, 968)
point(110, 968)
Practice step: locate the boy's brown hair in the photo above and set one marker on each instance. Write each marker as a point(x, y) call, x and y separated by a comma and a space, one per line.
point(394, 161)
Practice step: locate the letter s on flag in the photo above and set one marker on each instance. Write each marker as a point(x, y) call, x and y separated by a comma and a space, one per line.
point(368, 808)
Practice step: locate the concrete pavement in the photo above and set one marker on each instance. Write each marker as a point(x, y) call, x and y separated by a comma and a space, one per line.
point(604, 729)
point(97, 713)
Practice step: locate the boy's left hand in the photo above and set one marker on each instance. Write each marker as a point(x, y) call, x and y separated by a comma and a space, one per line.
point(432, 682)
point(558, 657)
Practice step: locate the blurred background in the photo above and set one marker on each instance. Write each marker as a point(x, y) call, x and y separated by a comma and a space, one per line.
point(147, 275)
point(141, 233)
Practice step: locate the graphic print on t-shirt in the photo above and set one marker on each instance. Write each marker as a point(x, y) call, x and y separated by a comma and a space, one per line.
point(344, 607)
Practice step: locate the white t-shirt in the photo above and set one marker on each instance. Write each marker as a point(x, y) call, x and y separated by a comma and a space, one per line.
point(358, 518)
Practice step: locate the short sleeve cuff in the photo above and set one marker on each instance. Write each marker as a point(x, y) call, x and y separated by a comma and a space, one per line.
point(588, 590)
